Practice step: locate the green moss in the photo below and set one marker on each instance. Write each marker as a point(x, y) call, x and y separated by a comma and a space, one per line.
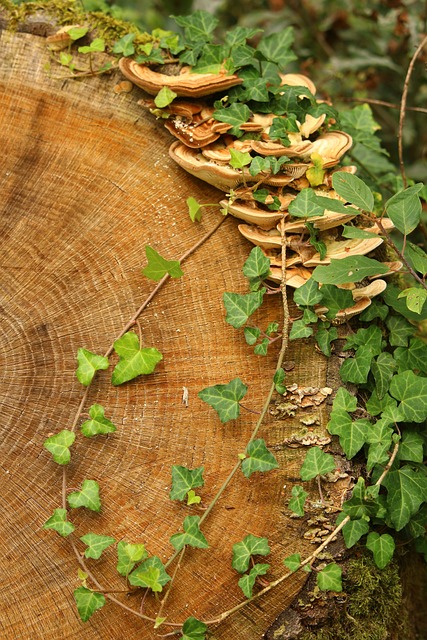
point(372, 610)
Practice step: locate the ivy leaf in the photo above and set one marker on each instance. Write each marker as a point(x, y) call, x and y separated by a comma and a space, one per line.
point(277, 47)
point(239, 35)
point(353, 531)
point(257, 265)
point(59, 523)
point(371, 337)
point(273, 327)
point(415, 355)
point(98, 424)
point(390, 296)
point(293, 562)
point(316, 173)
point(97, 45)
point(296, 503)
point(305, 205)
point(247, 582)
point(183, 480)
point(375, 310)
point(134, 361)
point(96, 544)
point(352, 435)
point(225, 398)
point(158, 267)
point(411, 390)
point(198, 26)
point(415, 298)
point(411, 447)
point(324, 337)
point(345, 400)
point(356, 369)
point(259, 458)
point(382, 547)
point(151, 573)
point(353, 190)
point(280, 128)
point(407, 490)
point(329, 578)
point(192, 535)
point(76, 33)
point(87, 602)
point(316, 463)
point(194, 209)
point(162, 100)
point(250, 546)
point(59, 446)
point(239, 159)
point(264, 196)
point(239, 307)
point(192, 498)
point(236, 115)
point(351, 269)
point(404, 210)
point(193, 629)
point(335, 299)
point(128, 555)
point(262, 348)
point(125, 45)
point(299, 330)
point(319, 245)
point(251, 335)
point(88, 496)
point(279, 380)
point(89, 363)
point(383, 370)
point(308, 294)
point(400, 330)
point(379, 439)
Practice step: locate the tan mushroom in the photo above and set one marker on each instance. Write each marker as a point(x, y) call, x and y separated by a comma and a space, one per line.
point(329, 220)
point(195, 134)
point(267, 239)
point(297, 80)
point(336, 250)
point(193, 85)
point(371, 290)
point(254, 215)
point(185, 108)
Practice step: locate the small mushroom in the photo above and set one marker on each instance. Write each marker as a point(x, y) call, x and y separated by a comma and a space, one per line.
point(184, 108)
point(297, 80)
point(371, 290)
point(192, 85)
point(262, 238)
point(194, 134)
point(252, 214)
point(329, 220)
point(336, 250)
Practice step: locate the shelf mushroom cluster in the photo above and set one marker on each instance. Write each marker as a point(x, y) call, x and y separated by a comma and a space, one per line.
point(204, 145)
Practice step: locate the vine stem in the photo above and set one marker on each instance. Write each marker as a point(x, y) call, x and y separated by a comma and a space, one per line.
point(403, 108)
point(382, 103)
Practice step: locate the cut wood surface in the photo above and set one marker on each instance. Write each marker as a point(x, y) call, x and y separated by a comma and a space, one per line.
point(86, 182)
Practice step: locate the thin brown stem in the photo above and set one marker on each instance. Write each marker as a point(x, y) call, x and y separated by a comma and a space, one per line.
point(382, 103)
point(403, 108)
point(166, 596)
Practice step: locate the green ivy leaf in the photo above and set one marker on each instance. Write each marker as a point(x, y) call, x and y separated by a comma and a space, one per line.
point(297, 502)
point(125, 45)
point(375, 310)
point(352, 435)
point(87, 602)
point(96, 544)
point(239, 35)
point(305, 205)
point(128, 555)
point(411, 390)
point(89, 364)
point(251, 335)
point(134, 361)
point(371, 337)
point(247, 582)
point(416, 355)
point(192, 498)
point(250, 546)
point(329, 578)
point(259, 458)
point(59, 523)
point(183, 480)
point(382, 547)
point(324, 338)
point(379, 438)
point(198, 26)
point(415, 298)
point(273, 327)
point(279, 381)
point(390, 296)
point(353, 530)
point(59, 446)
point(239, 159)
point(236, 115)
point(356, 369)
point(308, 294)
point(316, 463)
point(319, 245)
point(299, 330)
point(351, 269)
point(293, 562)
point(76, 33)
point(88, 496)
point(194, 209)
point(400, 330)
point(96, 46)
point(151, 574)
point(193, 629)
point(277, 47)
point(411, 447)
point(225, 398)
point(162, 100)
point(262, 348)
point(240, 307)
point(353, 190)
point(98, 424)
point(404, 210)
point(383, 368)
point(316, 173)
point(345, 401)
point(257, 265)
point(192, 535)
point(158, 267)
point(407, 490)
point(261, 195)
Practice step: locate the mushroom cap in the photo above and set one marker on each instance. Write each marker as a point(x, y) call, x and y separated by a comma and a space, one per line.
point(193, 85)
point(254, 215)
point(329, 220)
point(194, 134)
point(297, 80)
point(267, 239)
point(338, 249)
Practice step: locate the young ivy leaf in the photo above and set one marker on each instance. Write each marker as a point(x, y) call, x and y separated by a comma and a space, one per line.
point(225, 398)
point(89, 364)
point(258, 458)
point(353, 190)
point(293, 562)
point(308, 294)
point(240, 307)
point(59, 523)
point(164, 98)
point(329, 578)
point(99, 424)
point(128, 555)
point(134, 361)
point(192, 498)
point(194, 209)
point(88, 496)
point(415, 298)
point(158, 267)
point(88, 602)
point(183, 480)
point(193, 629)
point(59, 446)
point(279, 379)
point(236, 115)
point(296, 503)
point(257, 265)
point(382, 547)
point(277, 47)
point(239, 159)
point(316, 463)
point(299, 330)
point(76, 33)
point(251, 335)
point(324, 338)
point(250, 546)
point(96, 46)
point(192, 535)
point(305, 205)
point(247, 582)
point(150, 574)
point(96, 544)
point(316, 173)
point(262, 348)
point(353, 530)
point(125, 45)
point(198, 26)
point(411, 390)
point(407, 489)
